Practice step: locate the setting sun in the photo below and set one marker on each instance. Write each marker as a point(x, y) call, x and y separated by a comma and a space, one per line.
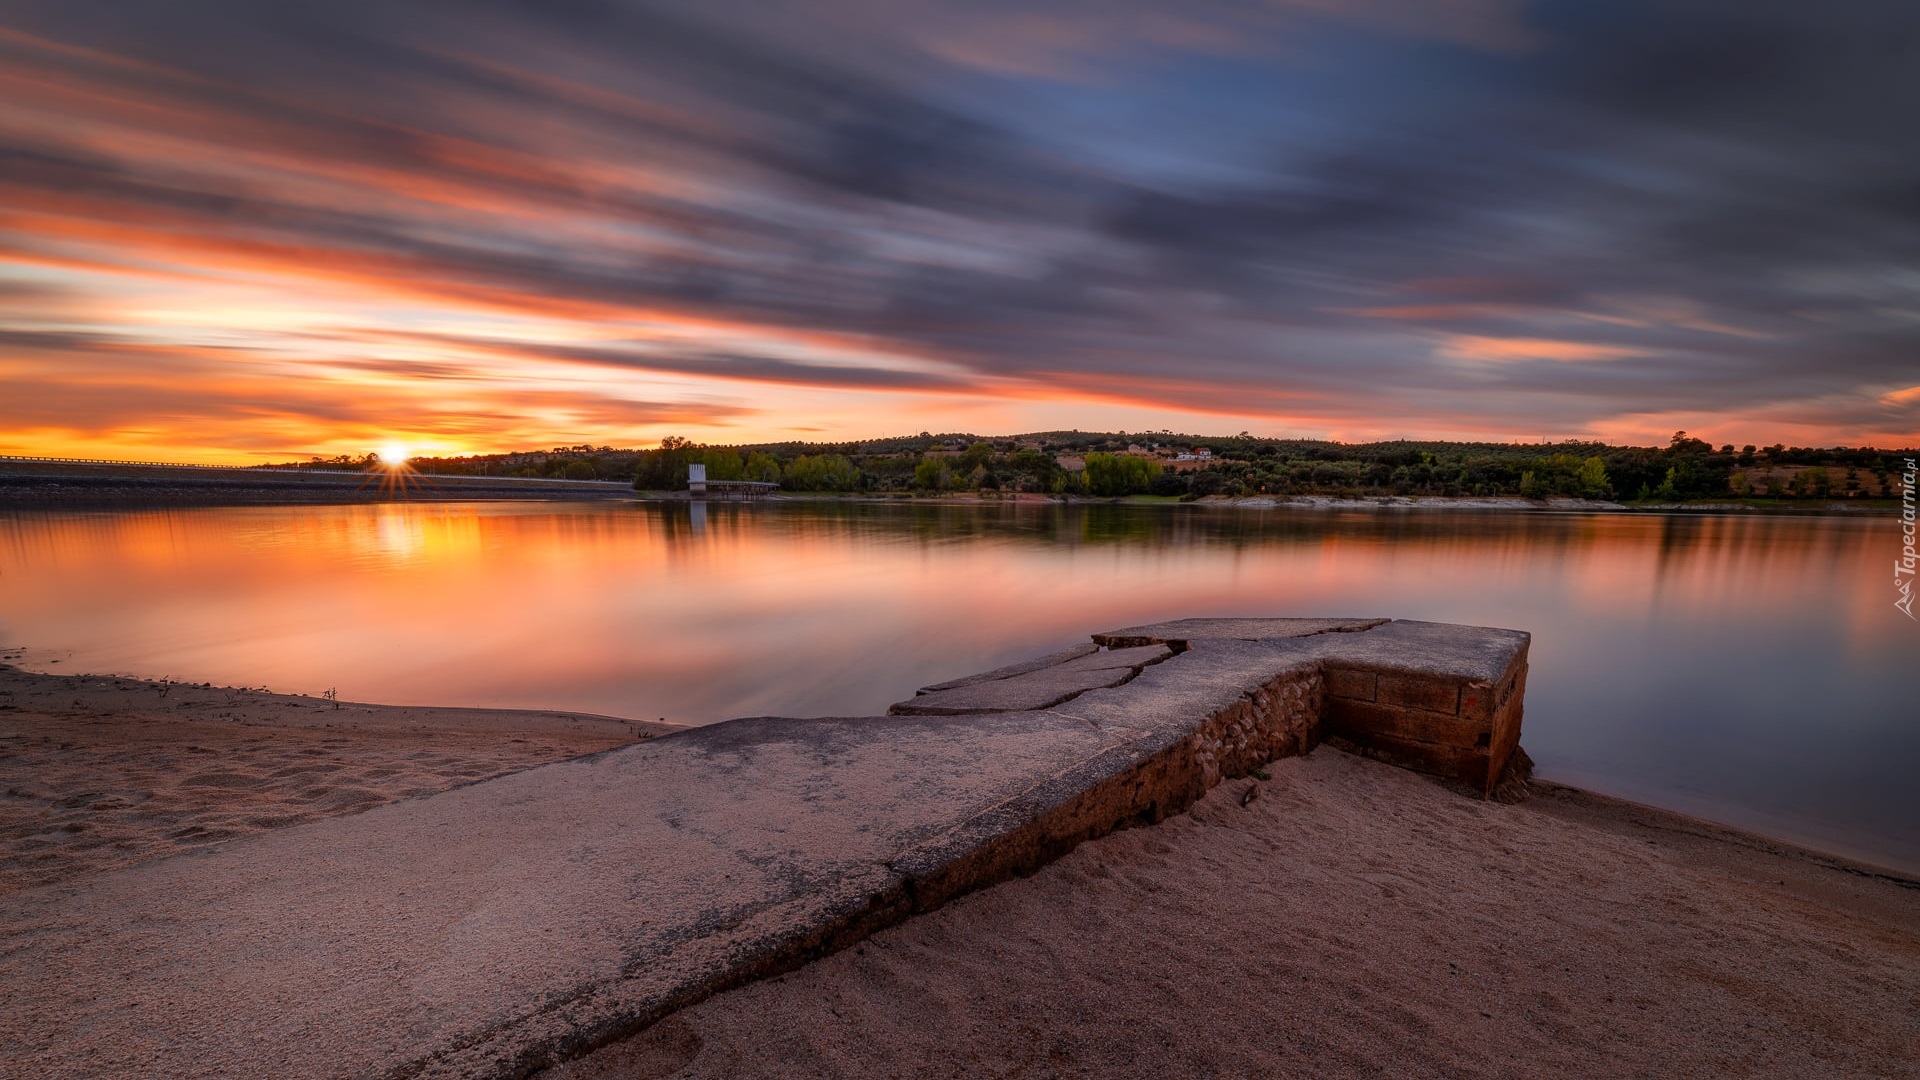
point(393, 455)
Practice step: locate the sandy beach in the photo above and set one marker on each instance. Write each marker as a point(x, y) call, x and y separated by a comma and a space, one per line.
point(1356, 920)
point(100, 772)
point(1341, 918)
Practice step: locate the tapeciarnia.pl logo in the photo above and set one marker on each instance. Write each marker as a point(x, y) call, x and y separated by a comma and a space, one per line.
point(1903, 567)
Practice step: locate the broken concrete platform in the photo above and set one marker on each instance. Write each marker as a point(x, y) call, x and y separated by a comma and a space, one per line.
point(498, 928)
point(1440, 698)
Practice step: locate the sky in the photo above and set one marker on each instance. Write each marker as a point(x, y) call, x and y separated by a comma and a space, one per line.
point(233, 231)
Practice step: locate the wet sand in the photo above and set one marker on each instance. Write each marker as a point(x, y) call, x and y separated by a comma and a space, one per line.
point(98, 772)
point(1356, 920)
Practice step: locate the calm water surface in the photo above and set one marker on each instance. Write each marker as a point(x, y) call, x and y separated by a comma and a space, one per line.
point(1747, 669)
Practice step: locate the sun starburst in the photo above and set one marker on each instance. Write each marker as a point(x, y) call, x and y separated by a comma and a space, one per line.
point(393, 472)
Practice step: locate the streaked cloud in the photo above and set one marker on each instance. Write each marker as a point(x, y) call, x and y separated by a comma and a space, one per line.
point(289, 228)
point(1467, 347)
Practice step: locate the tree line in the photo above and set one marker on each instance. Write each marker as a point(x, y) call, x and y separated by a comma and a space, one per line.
point(1105, 465)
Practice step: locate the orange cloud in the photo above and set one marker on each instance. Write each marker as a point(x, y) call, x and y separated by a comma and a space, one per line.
point(1505, 350)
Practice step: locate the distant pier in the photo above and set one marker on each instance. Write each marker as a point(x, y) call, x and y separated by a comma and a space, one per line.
point(702, 488)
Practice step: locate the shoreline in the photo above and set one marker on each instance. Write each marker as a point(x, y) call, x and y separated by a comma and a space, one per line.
point(53, 486)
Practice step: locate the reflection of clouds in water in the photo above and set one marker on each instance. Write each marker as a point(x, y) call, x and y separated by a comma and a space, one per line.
point(1684, 655)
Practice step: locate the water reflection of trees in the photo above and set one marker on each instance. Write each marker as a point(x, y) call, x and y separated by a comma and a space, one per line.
point(1187, 525)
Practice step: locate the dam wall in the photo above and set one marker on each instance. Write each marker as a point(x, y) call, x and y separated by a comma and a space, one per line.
point(37, 481)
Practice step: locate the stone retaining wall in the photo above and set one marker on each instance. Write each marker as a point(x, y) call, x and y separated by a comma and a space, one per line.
point(1461, 728)
point(1437, 698)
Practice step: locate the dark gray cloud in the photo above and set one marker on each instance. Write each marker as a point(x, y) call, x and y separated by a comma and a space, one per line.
point(1723, 201)
point(643, 356)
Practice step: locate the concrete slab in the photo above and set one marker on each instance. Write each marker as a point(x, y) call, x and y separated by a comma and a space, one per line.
point(1021, 668)
point(1135, 657)
point(487, 930)
point(1480, 653)
point(1199, 682)
point(1041, 689)
point(1181, 631)
point(1038, 688)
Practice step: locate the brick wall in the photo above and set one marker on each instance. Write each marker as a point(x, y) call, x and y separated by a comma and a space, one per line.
point(1436, 723)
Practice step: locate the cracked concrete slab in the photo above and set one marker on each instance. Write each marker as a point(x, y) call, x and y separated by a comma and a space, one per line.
point(1181, 631)
point(1199, 682)
point(1035, 688)
point(1021, 668)
point(1136, 657)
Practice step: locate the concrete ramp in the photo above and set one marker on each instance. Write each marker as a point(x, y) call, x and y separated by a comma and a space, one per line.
point(495, 929)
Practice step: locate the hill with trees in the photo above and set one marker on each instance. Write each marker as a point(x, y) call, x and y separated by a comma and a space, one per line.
point(1111, 464)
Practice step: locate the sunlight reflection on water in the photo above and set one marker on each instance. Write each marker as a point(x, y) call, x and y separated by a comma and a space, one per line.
point(1744, 668)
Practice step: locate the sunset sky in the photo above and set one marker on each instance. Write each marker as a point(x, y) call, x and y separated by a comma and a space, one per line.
point(243, 231)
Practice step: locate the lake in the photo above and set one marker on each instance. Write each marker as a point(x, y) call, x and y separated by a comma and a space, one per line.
point(1747, 669)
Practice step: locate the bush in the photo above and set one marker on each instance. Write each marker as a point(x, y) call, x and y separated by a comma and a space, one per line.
point(822, 472)
point(1592, 479)
point(932, 474)
point(1167, 483)
point(1120, 474)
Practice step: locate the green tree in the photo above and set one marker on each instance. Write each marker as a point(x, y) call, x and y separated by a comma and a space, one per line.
point(664, 469)
point(932, 474)
point(761, 466)
point(976, 456)
point(1167, 483)
point(722, 464)
point(821, 472)
point(1120, 474)
point(1206, 482)
point(1592, 479)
